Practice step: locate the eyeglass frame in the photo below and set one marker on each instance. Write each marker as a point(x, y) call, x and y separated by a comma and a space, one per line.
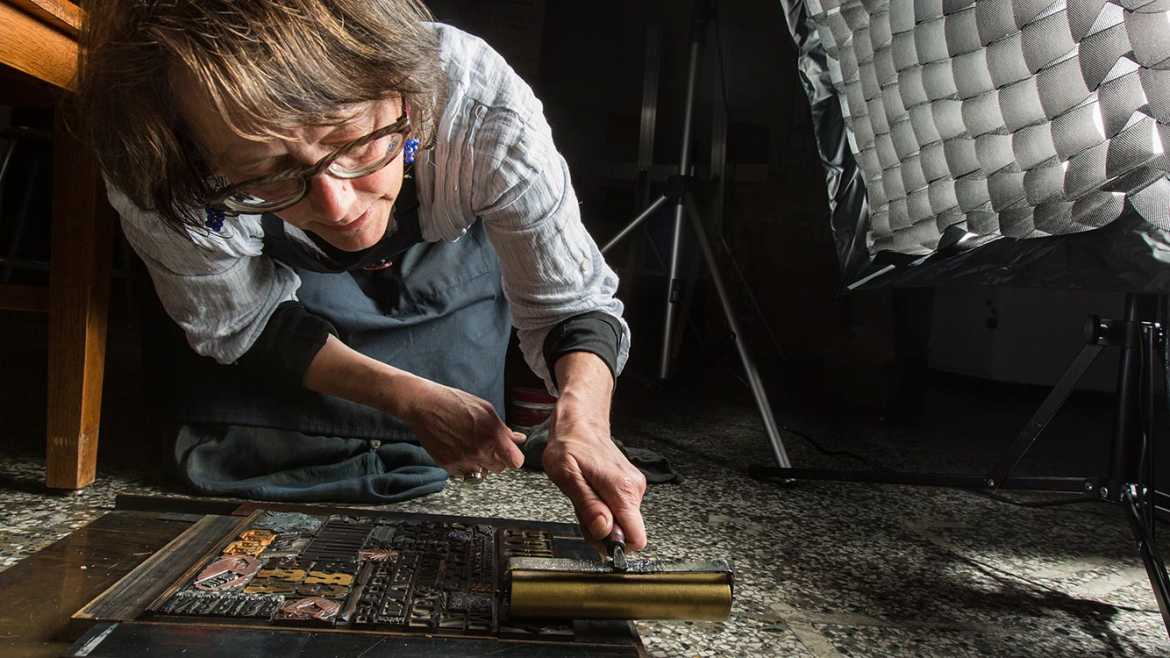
point(218, 200)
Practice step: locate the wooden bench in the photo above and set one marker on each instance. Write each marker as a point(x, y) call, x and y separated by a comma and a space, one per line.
point(38, 40)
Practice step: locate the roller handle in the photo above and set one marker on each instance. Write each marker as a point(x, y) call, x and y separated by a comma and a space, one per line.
point(615, 547)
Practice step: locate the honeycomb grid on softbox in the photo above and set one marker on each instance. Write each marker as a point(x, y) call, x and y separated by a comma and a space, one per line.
point(1018, 118)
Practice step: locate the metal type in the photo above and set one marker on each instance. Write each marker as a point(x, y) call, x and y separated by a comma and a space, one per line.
point(286, 545)
point(376, 554)
point(241, 547)
point(328, 591)
point(280, 577)
point(307, 609)
point(362, 579)
point(288, 522)
point(258, 535)
point(328, 578)
point(227, 573)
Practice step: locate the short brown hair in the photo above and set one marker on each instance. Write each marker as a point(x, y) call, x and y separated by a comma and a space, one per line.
point(266, 65)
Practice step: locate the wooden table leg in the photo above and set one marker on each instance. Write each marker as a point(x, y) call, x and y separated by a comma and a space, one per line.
point(79, 293)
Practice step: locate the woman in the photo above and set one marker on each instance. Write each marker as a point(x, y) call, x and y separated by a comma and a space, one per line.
point(345, 286)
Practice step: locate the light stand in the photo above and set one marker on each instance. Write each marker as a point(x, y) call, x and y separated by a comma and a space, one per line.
point(1138, 424)
point(680, 193)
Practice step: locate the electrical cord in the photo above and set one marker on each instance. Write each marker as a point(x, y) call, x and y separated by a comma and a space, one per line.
point(832, 453)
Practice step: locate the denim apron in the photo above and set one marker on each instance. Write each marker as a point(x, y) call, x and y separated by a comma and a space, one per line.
point(438, 311)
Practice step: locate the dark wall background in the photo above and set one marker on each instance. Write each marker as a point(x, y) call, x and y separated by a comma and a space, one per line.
point(588, 71)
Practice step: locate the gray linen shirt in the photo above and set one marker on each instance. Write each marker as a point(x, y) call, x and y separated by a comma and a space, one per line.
point(494, 159)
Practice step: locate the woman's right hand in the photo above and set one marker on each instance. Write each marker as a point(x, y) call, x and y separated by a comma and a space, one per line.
point(460, 431)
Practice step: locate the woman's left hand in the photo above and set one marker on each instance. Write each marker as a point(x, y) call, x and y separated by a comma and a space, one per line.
point(581, 458)
point(605, 488)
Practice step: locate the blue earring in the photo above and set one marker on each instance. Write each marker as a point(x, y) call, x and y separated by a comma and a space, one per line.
point(214, 219)
point(409, 150)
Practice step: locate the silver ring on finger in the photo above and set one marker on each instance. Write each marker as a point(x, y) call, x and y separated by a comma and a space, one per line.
point(474, 476)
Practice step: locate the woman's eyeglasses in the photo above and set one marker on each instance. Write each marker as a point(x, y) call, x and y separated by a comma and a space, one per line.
point(361, 157)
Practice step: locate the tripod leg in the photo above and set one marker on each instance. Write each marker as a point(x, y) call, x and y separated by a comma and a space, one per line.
point(1122, 459)
point(1155, 568)
point(1044, 415)
point(673, 293)
point(684, 169)
point(749, 365)
point(1140, 498)
point(634, 223)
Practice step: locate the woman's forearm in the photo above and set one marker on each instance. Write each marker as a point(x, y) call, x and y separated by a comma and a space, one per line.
point(460, 431)
point(341, 371)
point(586, 386)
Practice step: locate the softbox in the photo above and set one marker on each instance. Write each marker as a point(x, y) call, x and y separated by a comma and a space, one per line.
point(996, 142)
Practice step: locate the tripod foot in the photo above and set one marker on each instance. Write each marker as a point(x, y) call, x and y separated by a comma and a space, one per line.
point(771, 474)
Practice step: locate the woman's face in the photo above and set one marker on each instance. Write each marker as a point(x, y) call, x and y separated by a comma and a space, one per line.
point(349, 214)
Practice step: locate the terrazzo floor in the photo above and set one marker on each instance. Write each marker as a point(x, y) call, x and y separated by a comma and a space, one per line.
point(824, 569)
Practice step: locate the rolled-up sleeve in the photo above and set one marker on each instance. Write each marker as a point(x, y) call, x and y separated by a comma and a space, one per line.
point(552, 268)
point(218, 287)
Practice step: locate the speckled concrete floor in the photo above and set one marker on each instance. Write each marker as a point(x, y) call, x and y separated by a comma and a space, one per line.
point(825, 569)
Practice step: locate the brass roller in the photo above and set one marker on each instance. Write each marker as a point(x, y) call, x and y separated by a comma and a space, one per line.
point(552, 588)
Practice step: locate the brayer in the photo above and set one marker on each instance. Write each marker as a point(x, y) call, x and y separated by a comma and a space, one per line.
point(619, 587)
